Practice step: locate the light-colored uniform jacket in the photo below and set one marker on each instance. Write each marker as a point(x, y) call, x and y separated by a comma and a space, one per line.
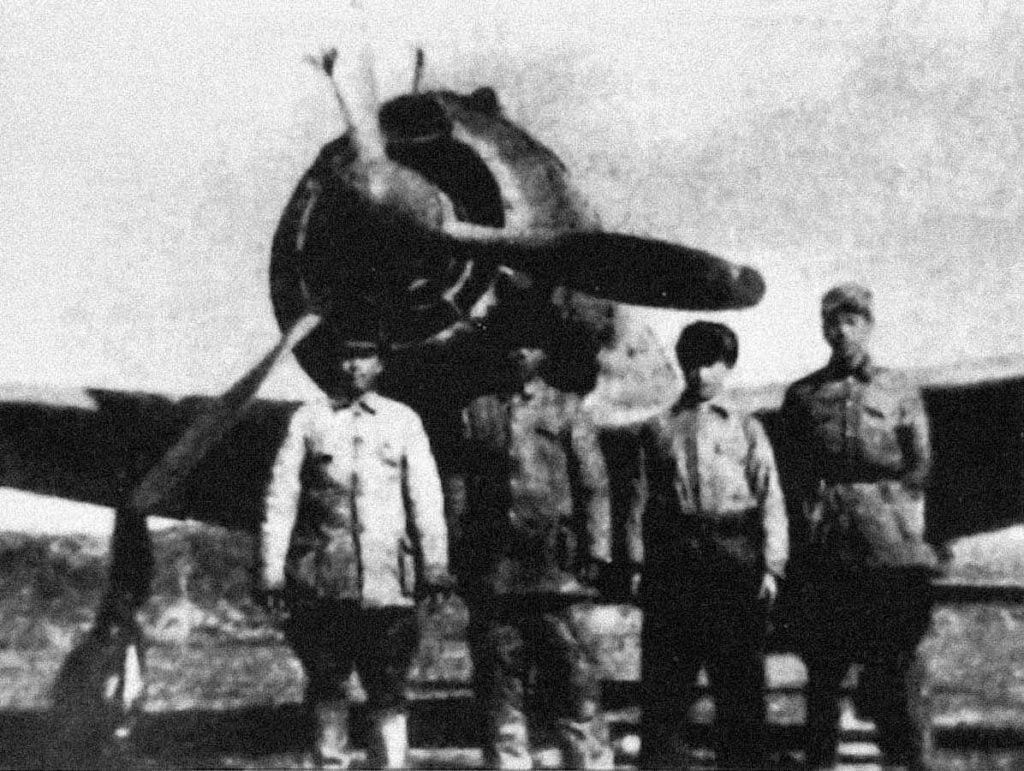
point(354, 508)
point(706, 464)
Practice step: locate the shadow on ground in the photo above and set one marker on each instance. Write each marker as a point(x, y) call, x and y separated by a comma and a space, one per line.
point(443, 731)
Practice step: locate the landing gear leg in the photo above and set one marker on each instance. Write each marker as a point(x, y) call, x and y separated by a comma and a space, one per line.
point(98, 692)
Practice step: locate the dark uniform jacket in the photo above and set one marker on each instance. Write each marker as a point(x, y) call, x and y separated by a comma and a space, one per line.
point(354, 509)
point(715, 503)
point(861, 454)
point(536, 508)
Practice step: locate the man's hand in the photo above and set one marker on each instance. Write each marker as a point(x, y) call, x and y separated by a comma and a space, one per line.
point(913, 483)
point(634, 583)
point(436, 589)
point(275, 604)
point(594, 573)
point(769, 590)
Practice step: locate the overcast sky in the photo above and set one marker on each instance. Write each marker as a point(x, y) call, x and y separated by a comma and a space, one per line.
point(148, 149)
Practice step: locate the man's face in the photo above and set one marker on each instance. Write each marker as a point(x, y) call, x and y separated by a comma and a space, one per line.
point(706, 381)
point(848, 334)
point(527, 362)
point(358, 373)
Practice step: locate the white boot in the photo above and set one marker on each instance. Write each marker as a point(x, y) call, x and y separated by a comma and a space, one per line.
point(331, 733)
point(389, 739)
point(585, 744)
point(508, 746)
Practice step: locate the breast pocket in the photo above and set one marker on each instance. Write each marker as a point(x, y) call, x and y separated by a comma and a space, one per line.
point(729, 487)
point(389, 459)
point(542, 456)
point(880, 414)
point(881, 409)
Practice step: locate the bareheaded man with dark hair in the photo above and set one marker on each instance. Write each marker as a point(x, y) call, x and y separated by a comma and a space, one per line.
point(858, 437)
point(715, 544)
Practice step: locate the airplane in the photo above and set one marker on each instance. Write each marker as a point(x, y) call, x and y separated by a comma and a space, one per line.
point(437, 223)
point(432, 221)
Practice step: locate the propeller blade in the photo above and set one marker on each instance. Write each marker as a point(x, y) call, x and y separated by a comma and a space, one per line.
point(355, 83)
point(630, 269)
point(170, 472)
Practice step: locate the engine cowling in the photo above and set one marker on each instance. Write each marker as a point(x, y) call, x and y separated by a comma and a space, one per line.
point(382, 267)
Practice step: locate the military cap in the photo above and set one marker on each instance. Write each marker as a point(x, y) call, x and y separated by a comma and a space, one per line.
point(358, 348)
point(344, 344)
point(849, 297)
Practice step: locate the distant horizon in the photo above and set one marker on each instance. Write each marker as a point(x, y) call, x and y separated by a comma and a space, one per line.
point(23, 512)
point(20, 515)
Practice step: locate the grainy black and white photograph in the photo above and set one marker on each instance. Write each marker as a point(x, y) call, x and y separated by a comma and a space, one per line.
point(503, 385)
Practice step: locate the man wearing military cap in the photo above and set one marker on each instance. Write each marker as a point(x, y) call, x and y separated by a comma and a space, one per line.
point(354, 534)
point(857, 436)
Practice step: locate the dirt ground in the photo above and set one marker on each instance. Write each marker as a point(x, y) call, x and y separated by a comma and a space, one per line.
point(223, 691)
point(211, 704)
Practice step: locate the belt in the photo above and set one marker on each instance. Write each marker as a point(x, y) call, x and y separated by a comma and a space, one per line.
point(860, 478)
point(728, 523)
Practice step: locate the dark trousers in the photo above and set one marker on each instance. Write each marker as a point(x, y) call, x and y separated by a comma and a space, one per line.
point(331, 637)
point(693, 622)
point(878, 621)
point(509, 641)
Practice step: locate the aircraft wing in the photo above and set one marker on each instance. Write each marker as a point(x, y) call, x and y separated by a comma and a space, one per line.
point(976, 413)
point(95, 445)
point(978, 434)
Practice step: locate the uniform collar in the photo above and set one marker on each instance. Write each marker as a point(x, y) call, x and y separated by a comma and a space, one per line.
point(531, 389)
point(368, 402)
point(719, 404)
point(865, 371)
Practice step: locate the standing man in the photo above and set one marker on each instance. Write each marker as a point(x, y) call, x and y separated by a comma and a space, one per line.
point(715, 544)
point(861, 456)
point(535, 519)
point(354, 533)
